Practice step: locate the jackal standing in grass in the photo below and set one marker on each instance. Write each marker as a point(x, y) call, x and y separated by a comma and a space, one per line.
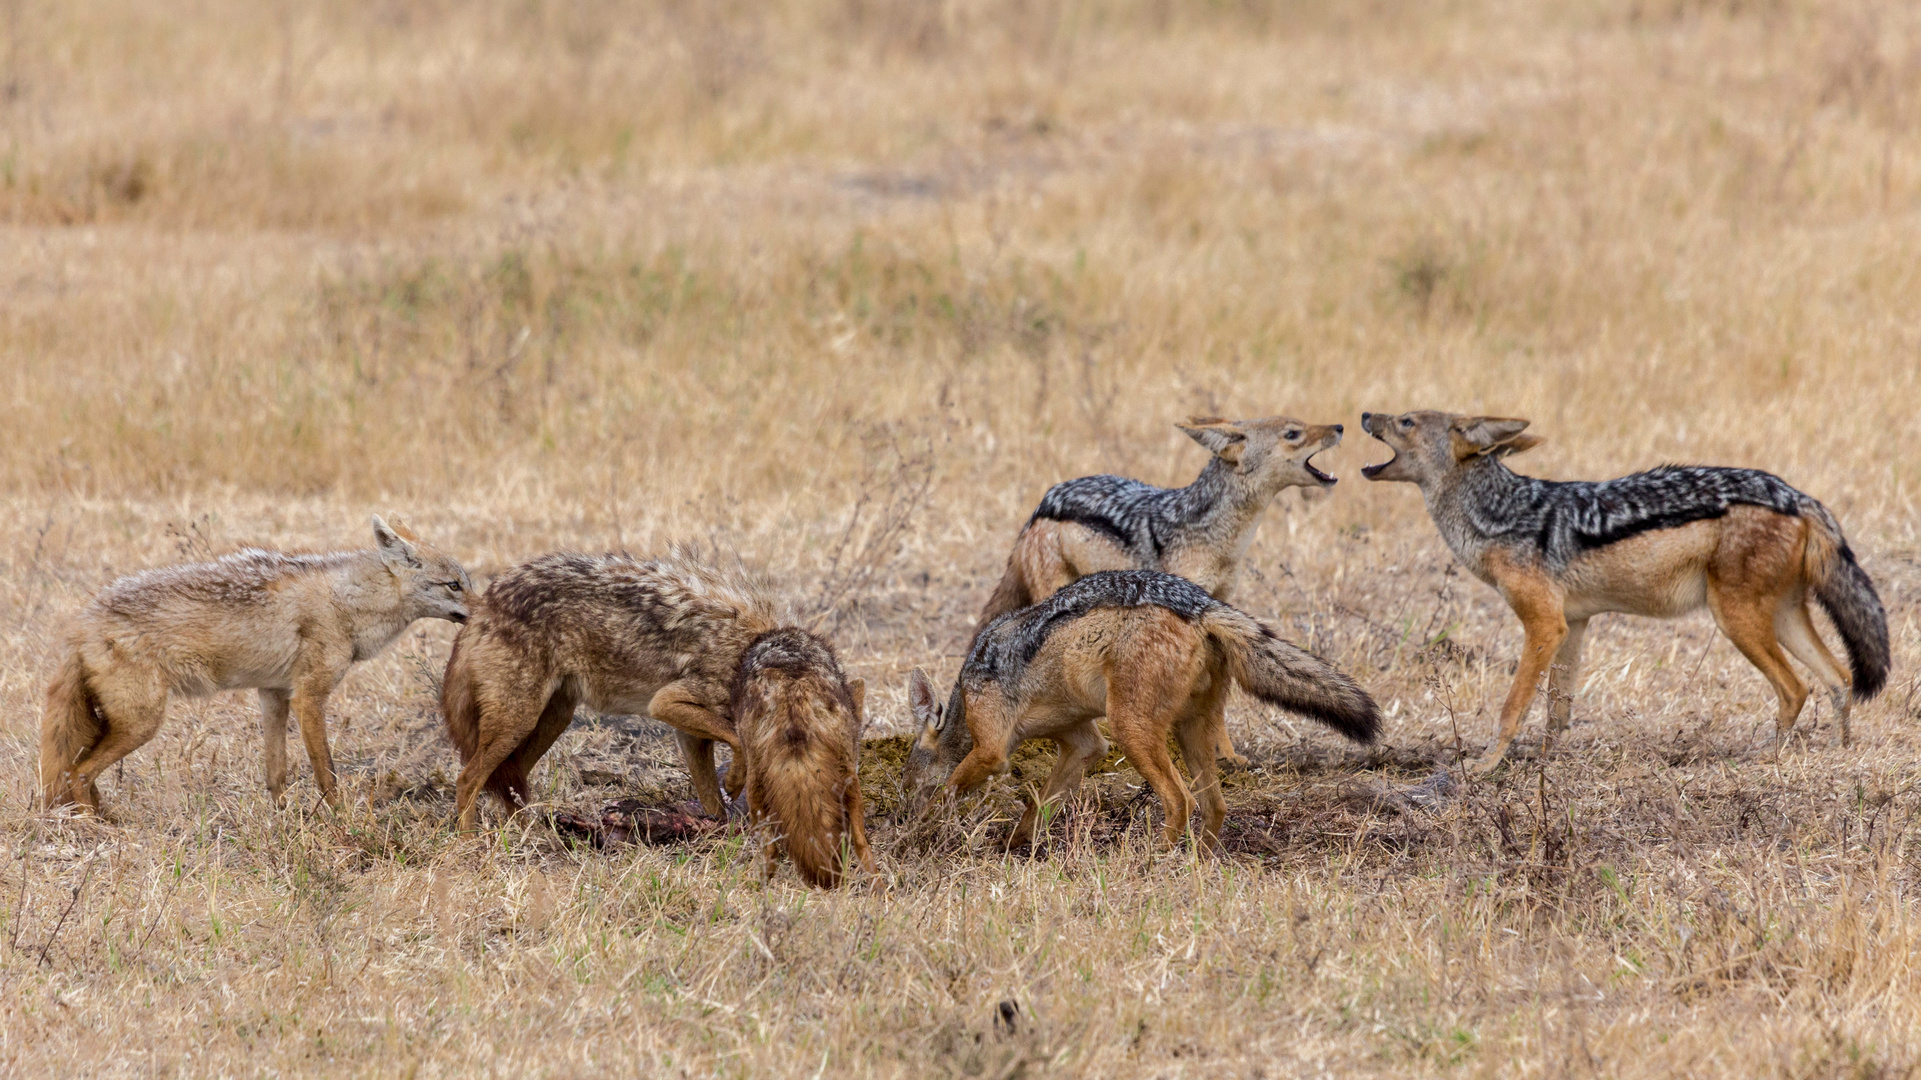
point(1155, 655)
point(799, 719)
point(287, 625)
point(1662, 543)
point(1200, 532)
point(661, 637)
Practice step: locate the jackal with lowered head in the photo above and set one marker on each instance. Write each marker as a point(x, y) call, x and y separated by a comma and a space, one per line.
point(286, 625)
point(1155, 655)
point(1200, 532)
point(1665, 542)
point(660, 637)
point(799, 719)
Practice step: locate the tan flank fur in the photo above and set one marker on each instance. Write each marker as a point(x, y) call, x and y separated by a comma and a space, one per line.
point(1132, 648)
point(661, 637)
point(799, 720)
point(1201, 532)
point(286, 625)
point(1739, 542)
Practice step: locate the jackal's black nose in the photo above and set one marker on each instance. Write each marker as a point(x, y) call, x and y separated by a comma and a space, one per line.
point(1338, 429)
point(1365, 417)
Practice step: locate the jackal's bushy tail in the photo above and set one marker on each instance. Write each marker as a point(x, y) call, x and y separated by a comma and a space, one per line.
point(808, 805)
point(1847, 595)
point(462, 713)
point(70, 728)
point(1294, 679)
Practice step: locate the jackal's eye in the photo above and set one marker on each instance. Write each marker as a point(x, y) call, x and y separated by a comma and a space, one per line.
point(451, 586)
point(1407, 422)
point(1291, 434)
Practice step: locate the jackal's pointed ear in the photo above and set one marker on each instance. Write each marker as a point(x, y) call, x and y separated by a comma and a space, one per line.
point(920, 695)
point(1223, 437)
point(857, 689)
point(1489, 436)
point(395, 550)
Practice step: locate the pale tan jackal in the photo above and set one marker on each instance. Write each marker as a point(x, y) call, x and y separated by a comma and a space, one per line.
point(799, 720)
point(1151, 652)
point(661, 637)
point(1200, 532)
point(287, 625)
point(1740, 542)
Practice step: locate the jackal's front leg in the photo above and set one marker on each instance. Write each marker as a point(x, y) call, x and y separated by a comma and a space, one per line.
point(1079, 746)
point(310, 707)
point(1563, 676)
point(1543, 619)
point(698, 755)
point(313, 681)
point(274, 706)
point(681, 705)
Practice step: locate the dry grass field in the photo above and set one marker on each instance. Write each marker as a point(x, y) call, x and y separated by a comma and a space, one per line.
point(842, 286)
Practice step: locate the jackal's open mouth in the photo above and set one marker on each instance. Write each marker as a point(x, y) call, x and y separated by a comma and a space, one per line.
point(1317, 474)
point(1373, 472)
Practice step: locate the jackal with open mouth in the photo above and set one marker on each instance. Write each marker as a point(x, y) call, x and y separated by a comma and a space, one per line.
point(1199, 532)
point(1665, 542)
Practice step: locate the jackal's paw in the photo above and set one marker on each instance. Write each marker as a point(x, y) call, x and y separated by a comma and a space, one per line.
point(1794, 738)
point(1488, 765)
point(1234, 761)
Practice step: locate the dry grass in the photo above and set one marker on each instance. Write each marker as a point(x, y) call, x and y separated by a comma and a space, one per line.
point(843, 284)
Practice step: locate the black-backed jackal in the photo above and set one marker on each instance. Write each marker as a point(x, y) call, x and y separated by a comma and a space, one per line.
point(1199, 532)
point(1661, 543)
point(1154, 654)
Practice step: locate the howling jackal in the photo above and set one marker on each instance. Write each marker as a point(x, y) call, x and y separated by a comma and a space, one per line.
point(1153, 653)
point(287, 625)
point(1662, 543)
point(800, 720)
point(1200, 532)
point(663, 637)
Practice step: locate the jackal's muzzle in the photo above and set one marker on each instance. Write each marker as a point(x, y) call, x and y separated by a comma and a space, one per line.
point(1375, 424)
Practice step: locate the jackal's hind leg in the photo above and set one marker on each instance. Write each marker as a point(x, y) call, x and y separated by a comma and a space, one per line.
point(1196, 731)
point(131, 710)
point(274, 705)
point(1796, 631)
point(1143, 738)
point(555, 717)
point(1079, 747)
point(1149, 757)
point(1218, 737)
point(508, 717)
point(1748, 621)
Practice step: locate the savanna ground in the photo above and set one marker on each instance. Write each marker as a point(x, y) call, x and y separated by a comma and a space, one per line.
point(843, 285)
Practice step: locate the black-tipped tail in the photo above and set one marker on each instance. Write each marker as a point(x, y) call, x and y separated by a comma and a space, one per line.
point(1290, 677)
point(1847, 594)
